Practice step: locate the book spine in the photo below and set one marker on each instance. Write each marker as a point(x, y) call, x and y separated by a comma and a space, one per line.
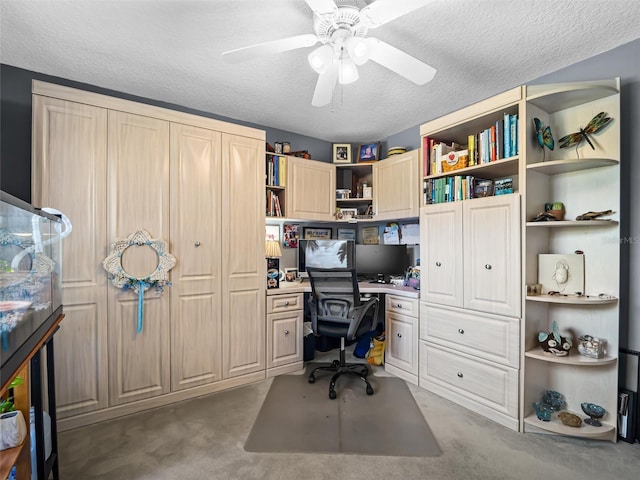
point(492, 143)
point(471, 145)
point(425, 156)
point(506, 124)
point(514, 134)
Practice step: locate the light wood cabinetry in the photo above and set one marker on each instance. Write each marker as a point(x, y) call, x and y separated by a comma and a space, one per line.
point(285, 316)
point(70, 146)
point(243, 265)
point(584, 179)
point(471, 300)
point(138, 148)
point(196, 321)
point(311, 189)
point(397, 186)
point(401, 320)
point(195, 182)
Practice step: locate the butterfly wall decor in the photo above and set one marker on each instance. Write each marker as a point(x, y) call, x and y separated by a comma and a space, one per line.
point(543, 134)
point(596, 123)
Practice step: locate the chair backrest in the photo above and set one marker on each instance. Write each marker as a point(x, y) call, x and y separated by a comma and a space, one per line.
point(335, 304)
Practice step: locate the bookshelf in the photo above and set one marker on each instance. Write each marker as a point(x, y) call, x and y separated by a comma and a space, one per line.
point(355, 180)
point(584, 179)
point(276, 181)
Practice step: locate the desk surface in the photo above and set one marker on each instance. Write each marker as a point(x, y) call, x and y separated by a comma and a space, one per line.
point(365, 287)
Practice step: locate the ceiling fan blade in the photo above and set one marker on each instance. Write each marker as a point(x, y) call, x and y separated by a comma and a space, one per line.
point(267, 48)
point(324, 88)
point(383, 11)
point(400, 62)
point(322, 7)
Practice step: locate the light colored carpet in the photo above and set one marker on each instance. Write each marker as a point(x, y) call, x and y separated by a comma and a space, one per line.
point(299, 417)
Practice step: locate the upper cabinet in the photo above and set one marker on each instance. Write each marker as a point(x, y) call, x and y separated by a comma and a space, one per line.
point(585, 177)
point(311, 189)
point(397, 189)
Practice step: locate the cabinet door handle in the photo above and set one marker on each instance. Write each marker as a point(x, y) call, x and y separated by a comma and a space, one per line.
point(399, 335)
point(460, 331)
point(286, 332)
point(197, 244)
point(286, 304)
point(399, 305)
point(487, 266)
point(438, 264)
point(460, 375)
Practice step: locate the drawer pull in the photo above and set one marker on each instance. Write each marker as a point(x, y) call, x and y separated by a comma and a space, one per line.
point(399, 335)
point(286, 304)
point(197, 244)
point(487, 266)
point(286, 332)
point(438, 264)
point(461, 331)
point(460, 375)
point(399, 305)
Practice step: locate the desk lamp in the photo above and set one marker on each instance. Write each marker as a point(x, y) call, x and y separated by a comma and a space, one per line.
point(273, 253)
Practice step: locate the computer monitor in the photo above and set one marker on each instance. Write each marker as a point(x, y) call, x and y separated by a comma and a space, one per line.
point(324, 254)
point(379, 262)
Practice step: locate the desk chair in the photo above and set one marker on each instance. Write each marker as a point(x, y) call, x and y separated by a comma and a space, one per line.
point(338, 311)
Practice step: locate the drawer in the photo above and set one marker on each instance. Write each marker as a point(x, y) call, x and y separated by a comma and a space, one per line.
point(285, 302)
point(402, 305)
point(489, 384)
point(492, 337)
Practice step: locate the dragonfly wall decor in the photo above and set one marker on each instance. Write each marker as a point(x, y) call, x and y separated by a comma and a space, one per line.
point(596, 123)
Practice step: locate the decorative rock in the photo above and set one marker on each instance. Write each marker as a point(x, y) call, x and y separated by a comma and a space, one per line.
point(569, 419)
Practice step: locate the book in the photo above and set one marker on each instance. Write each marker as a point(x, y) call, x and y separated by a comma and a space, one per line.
point(471, 146)
point(513, 127)
point(492, 144)
point(506, 123)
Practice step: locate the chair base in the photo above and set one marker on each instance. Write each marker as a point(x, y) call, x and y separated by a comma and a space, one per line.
point(340, 367)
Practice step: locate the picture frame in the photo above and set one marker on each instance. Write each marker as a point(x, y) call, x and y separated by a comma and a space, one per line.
point(368, 152)
point(346, 234)
point(341, 153)
point(316, 233)
point(290, 274)
point(370, 236)
point(346, 214)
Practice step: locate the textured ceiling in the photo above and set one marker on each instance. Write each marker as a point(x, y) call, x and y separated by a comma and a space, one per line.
point(170, 50)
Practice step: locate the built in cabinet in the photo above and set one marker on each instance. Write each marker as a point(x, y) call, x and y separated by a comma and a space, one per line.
point(397, 187)
point(311, 189)
point(401, 330)
point(194, 182)
point(285, 317)
point(584, 179)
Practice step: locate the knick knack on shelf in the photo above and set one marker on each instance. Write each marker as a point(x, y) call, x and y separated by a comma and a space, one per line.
point(553, 343)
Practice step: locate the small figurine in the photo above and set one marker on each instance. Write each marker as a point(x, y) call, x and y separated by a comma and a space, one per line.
point(569, 419)
point(543, 135)
point(553, 343)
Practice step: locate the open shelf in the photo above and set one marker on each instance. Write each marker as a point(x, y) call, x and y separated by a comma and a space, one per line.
point(572, 165)
point(571, 359)
point(573, 223)
point(572, 299)
point(500, 168)
point(555, 97)
point(556, 426)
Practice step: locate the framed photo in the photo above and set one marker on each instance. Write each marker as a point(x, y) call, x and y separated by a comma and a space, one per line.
point(290, 274)
point(370, 235)
point(316, 233)
point(291, 235)
point(347, 234)
point(368, 152)
point(341, 153)
point(346, 214)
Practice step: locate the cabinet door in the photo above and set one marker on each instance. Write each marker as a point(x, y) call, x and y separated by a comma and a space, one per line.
point(441, 254)
point(138, 173)
point(402, 342)
point(69, 174)
point(311, 189)
point(396, 187)
point(284, 337)
point(243, 264)
point(492, 255)
point(196, 330)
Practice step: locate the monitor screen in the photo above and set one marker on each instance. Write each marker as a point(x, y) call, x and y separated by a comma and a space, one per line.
point(325, 254)
point(373, 261)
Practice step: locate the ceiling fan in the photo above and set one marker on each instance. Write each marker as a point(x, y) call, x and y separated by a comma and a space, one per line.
point(341, 27)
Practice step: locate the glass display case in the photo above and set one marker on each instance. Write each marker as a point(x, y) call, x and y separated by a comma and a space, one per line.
point(30, 276)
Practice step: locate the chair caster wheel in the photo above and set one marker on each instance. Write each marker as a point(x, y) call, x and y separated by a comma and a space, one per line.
point(369, 390)
point(311, 379)
point(332, 394)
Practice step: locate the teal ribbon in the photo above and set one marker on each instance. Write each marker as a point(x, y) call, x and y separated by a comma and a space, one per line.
point(142, 286)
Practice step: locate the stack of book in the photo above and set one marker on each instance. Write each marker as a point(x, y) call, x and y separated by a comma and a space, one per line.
point(276, 170)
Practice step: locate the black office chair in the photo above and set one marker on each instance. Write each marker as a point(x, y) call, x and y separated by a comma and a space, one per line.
point(338, 311)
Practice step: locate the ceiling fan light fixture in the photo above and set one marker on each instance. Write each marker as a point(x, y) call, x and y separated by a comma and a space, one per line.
point(348, 72)
point(359, 49)
point(321, 58)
